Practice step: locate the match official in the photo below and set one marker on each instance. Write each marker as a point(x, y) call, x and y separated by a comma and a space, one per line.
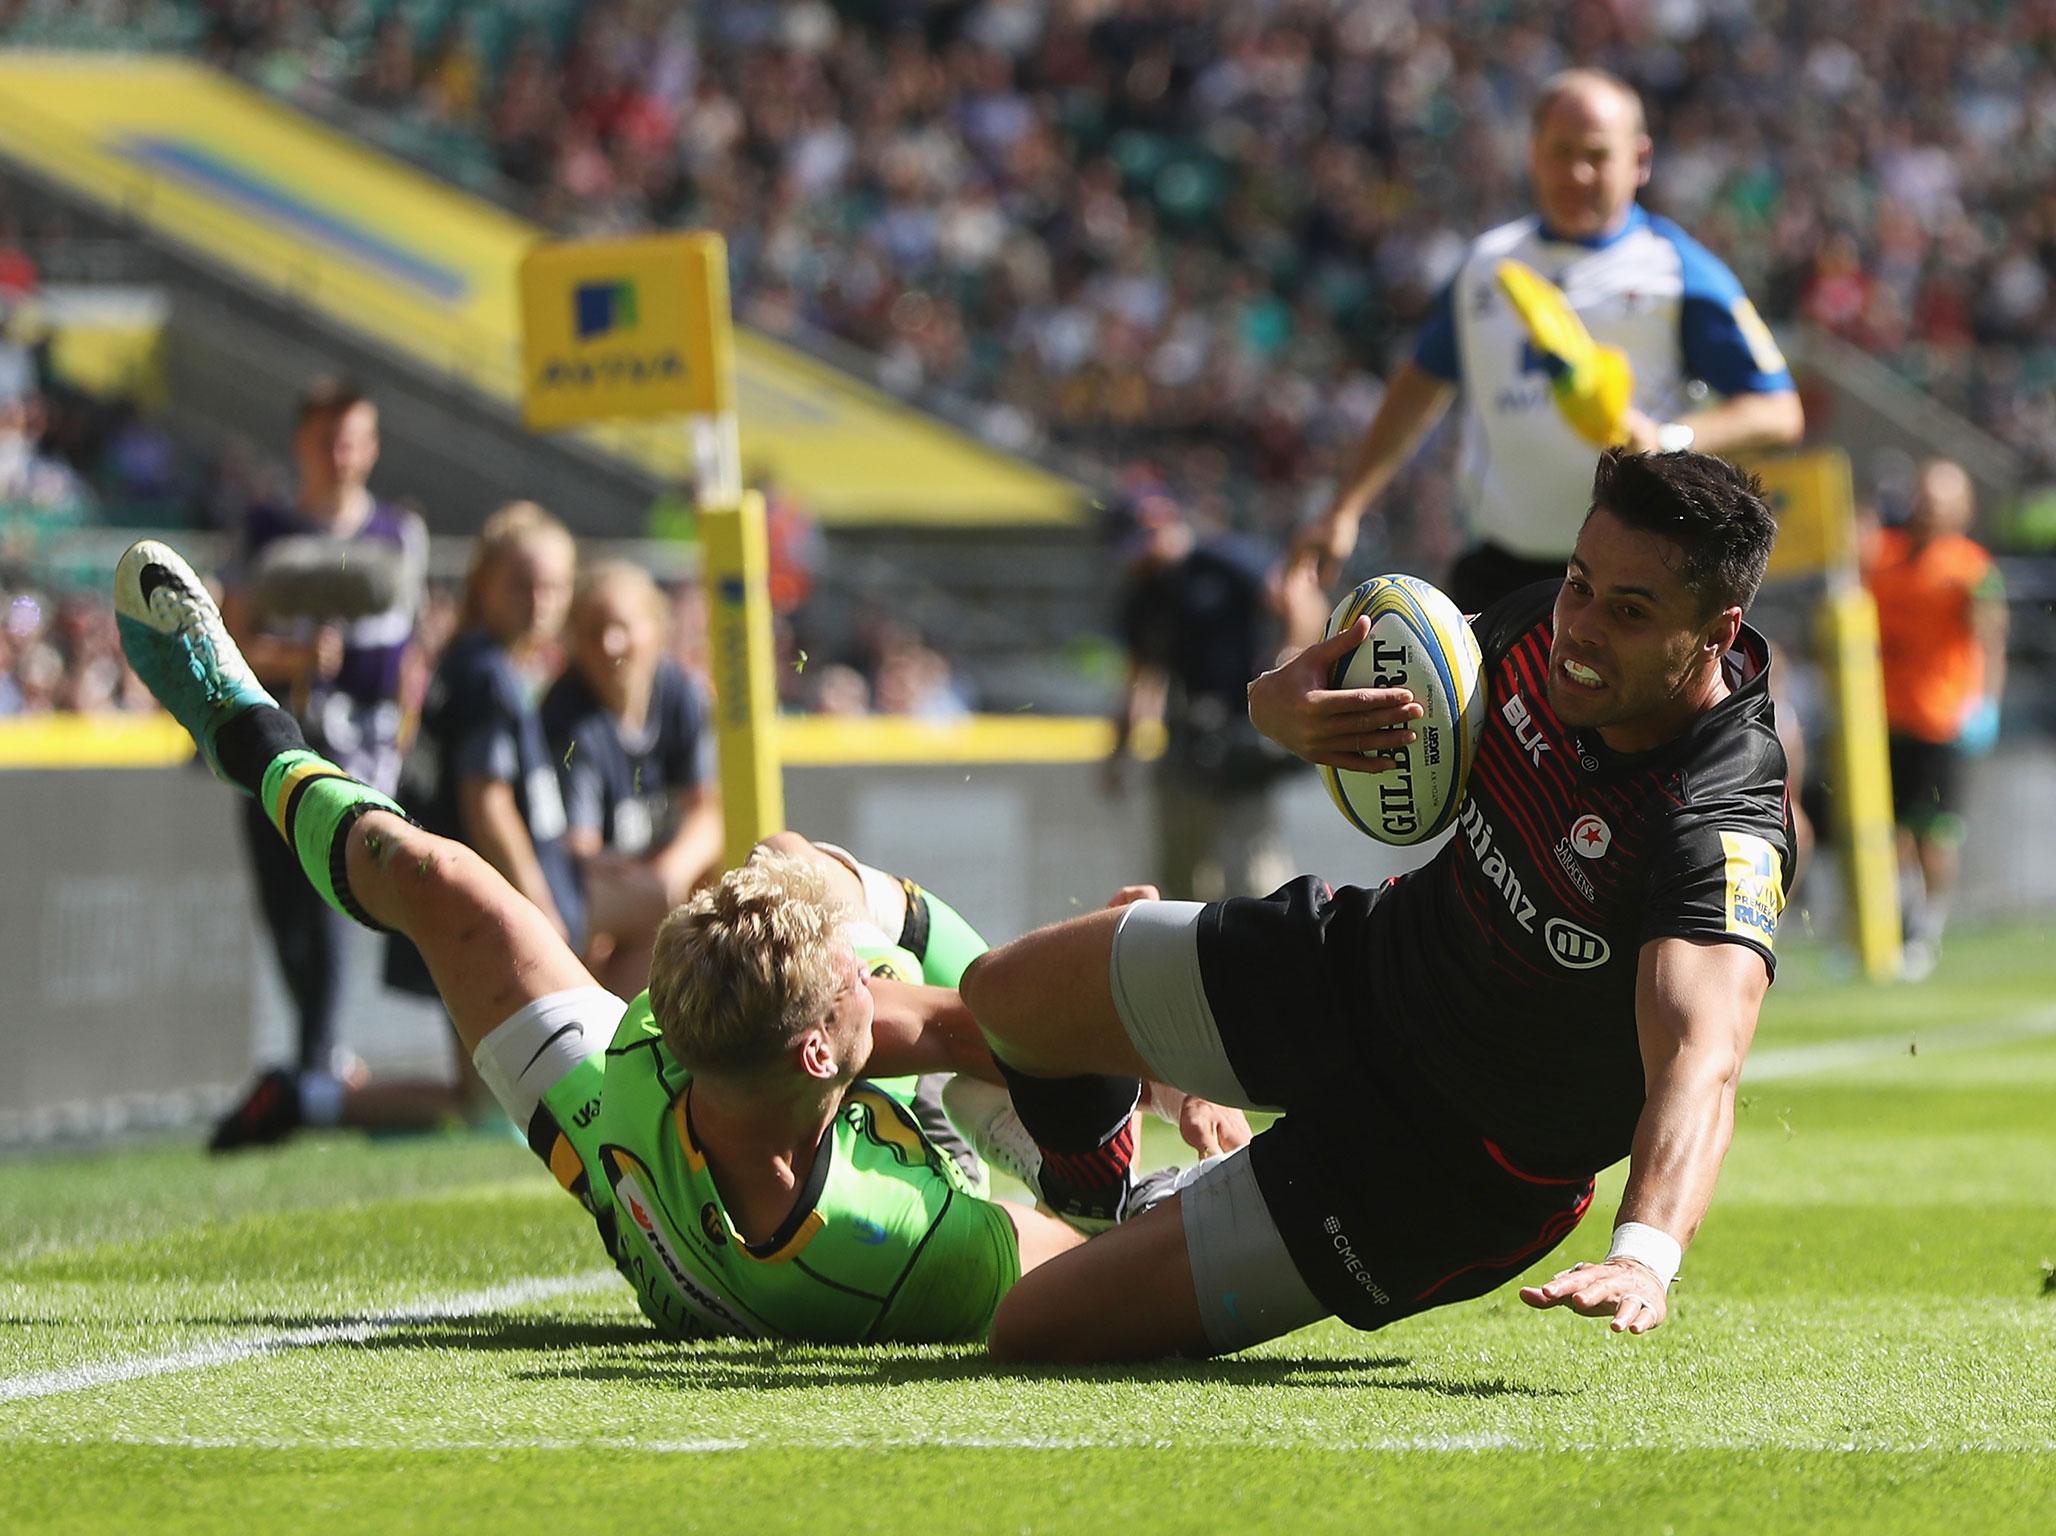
point(1579, 327)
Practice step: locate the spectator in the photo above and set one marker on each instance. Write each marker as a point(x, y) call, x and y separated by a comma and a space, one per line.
point(481, 770)
point(634, 749)
point(32, 480)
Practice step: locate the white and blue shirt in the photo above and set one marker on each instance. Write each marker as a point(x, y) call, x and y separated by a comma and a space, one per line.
point(1648, 288)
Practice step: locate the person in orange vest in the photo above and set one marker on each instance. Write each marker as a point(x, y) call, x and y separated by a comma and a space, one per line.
point(1942, 642)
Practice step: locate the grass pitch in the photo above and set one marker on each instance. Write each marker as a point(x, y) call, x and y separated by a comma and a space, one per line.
point(420, 1335)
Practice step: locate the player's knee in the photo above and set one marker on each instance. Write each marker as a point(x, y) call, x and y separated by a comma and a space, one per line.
point(983, 988)
point(1017, 1338)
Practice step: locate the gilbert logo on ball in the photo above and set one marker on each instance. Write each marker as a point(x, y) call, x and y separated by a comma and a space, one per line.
point(1420, 642)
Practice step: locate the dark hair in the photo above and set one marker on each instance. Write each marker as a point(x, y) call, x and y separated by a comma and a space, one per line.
point(1714, 512)
point(330, 396)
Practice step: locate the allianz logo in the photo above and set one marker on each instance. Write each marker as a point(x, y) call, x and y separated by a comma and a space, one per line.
point(1570, 946)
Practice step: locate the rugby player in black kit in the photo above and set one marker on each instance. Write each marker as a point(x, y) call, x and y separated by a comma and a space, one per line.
point(1575, 977)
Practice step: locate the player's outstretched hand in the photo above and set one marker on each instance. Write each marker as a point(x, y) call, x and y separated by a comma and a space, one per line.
point(1625, 1290)
point(1355, 728)
point(1128, 895)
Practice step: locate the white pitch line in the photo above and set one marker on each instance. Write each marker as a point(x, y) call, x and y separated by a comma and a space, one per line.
point(1832, 1055)
point(1461, 1443)
point(103, 1373)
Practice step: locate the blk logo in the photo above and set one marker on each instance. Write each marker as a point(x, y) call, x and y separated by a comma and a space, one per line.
point(1591, 837)
point(1526, 730)
point(600, 308)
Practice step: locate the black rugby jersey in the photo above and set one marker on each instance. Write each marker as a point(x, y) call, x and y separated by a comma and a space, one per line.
point(1506, 967)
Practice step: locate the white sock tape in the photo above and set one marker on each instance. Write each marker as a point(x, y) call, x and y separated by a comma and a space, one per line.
point(1649, 1245)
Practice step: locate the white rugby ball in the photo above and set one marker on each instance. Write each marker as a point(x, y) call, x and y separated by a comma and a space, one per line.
point(1418, 641)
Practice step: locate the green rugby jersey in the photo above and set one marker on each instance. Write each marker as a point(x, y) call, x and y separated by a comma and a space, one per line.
point(885, 1242)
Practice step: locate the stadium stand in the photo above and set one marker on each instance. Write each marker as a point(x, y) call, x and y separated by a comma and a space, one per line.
point(1067, 218)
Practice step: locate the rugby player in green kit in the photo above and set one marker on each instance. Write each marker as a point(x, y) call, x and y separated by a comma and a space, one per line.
point(745, 1174)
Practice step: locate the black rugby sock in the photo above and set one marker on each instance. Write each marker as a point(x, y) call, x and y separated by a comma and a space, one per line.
point(1085, 1126)
point(248, 744)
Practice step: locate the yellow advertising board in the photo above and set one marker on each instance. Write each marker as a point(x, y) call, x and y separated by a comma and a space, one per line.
point(625, 328)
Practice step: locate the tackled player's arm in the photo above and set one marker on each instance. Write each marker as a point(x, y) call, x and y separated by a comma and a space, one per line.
point(1696, 1005)
point(916, 1029)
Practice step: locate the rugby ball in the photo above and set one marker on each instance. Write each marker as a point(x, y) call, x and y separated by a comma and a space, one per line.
point(1418, 641)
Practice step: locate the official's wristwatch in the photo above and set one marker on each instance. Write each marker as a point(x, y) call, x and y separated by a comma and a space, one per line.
point(1674, 437)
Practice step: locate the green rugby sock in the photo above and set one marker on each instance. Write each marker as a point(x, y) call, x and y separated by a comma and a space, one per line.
point(313, 803)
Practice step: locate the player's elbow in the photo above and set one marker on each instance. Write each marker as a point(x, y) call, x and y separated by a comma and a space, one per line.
point(1694, 1070)
point(1785, 419)
point(1712, 1071)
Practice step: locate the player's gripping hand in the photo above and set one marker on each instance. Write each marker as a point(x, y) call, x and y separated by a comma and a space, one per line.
point(1626, 1290)
point(1592, 384)
point(1357, 728)
point(1208, 1128)
point(1211, 1129)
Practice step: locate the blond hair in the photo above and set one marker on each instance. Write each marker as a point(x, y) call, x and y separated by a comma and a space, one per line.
point(747, 966)
point(642, 588)
point(517, 526)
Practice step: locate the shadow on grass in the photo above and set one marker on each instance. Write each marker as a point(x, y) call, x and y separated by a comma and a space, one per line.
point(787, 1367)
point(636, 1354)
point(484, 1332)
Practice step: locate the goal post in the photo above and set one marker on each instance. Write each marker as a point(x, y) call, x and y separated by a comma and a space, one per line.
point(1812, 495)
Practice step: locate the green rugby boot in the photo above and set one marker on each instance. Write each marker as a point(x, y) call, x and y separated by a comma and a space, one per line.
point(172, 634)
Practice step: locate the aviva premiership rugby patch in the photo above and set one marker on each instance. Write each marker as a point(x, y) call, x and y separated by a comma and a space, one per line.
point(1756, 887)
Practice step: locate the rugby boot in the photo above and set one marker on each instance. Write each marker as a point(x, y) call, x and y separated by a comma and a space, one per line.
point(172, 634)
point(985, 1114)
point(267, 1115)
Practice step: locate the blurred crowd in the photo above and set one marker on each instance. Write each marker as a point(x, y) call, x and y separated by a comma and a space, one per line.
point(59, 652)
point(1198, 229)
point(1192, 235)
